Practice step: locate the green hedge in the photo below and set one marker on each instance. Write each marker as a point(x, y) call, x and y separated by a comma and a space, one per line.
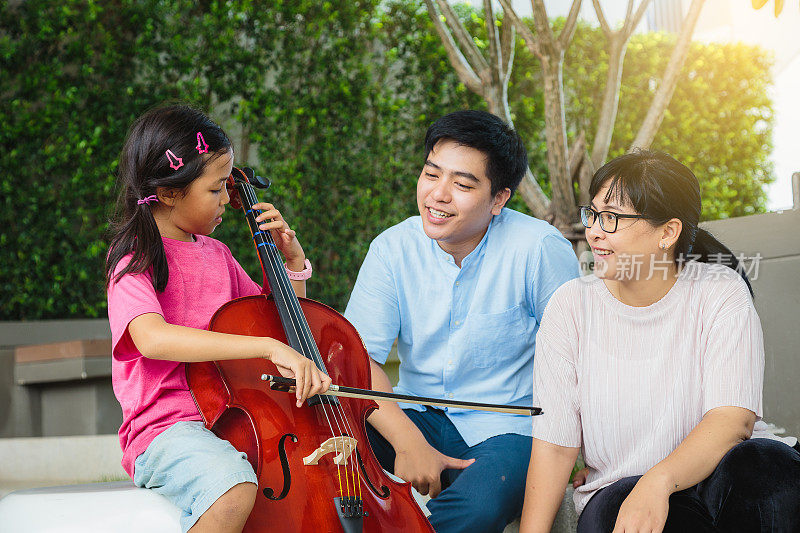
point(329, 99)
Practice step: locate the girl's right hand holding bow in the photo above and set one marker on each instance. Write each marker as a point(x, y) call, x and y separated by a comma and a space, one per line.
point(310, 380)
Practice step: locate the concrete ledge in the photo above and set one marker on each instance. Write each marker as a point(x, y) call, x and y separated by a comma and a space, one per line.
point(61, 370)
point(119, 507)
point(17, 333)
point(28, 463)
point(62, 361)
point(61, 459)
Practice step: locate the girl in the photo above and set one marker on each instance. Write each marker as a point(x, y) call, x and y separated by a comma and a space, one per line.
point(165, 279)
point(654, 366)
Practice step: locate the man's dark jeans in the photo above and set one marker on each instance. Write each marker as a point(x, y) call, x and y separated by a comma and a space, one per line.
point(482, 498)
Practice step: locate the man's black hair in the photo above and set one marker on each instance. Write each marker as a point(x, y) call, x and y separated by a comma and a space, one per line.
point(507, 158)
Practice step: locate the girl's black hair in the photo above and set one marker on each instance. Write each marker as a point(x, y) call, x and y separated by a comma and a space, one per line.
point(144, 166)
point(661, 188)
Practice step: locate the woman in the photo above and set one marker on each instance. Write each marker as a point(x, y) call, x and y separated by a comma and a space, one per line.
point(654, 366)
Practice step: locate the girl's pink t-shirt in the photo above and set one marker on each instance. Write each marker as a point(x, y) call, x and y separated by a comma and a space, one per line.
point(154, 393)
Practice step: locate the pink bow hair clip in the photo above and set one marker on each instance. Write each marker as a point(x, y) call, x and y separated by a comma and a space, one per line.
point(147, 200)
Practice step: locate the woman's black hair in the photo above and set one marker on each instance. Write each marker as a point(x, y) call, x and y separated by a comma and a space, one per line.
point(504, 149)
point(661, 188)
point(144, 165)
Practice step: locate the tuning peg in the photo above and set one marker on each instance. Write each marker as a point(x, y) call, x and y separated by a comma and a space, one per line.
point(259, 182)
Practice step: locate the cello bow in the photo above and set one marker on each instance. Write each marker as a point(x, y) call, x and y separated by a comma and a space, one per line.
point(287, 384)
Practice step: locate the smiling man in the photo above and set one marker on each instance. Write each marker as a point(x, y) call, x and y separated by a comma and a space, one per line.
point(462, 289)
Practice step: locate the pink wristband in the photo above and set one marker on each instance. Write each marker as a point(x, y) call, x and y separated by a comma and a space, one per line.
point(302, 275)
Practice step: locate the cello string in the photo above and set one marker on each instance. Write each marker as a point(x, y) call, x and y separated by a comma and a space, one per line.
point(290, 298)
point(353, 470)
point(285, 292)
point(309, 346)
point(307, 339)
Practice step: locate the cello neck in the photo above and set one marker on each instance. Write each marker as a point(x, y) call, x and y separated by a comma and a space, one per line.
point(295, 326)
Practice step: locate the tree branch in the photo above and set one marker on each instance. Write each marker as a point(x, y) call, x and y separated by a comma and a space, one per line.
point(534, 196)
point(494, 43)
point(664, 93)
point(576, 152)
point(542, 23)
point(609, 105)
point(460, 64)
point(637, 18)
point(467, 45)
point(628, 11)
point(585, 174)
point(601, 17)
point(508, 35)
point(616, 48)
point(569, 26)
point(527, 35)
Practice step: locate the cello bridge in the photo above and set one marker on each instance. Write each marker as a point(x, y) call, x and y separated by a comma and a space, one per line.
point(341, 446)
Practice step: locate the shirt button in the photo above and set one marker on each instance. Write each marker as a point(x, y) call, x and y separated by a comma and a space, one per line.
point(449, 361)
point(450, 395)
point(458, 322)
point(458, 283)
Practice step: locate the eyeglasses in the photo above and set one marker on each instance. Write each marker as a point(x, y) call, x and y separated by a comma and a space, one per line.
point(608, 219)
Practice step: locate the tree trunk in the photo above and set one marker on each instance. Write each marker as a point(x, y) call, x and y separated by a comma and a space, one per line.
point(489, 81)
point(608, 109)
point(529, 189)
point(663, 95)
point(563, 198)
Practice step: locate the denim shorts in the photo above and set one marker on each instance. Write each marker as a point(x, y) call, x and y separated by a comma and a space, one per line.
point(192, 468)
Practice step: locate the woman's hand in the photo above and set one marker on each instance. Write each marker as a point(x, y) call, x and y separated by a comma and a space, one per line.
point(645, 509)
point(580, 477)
point(285, 238)
point(309, 379)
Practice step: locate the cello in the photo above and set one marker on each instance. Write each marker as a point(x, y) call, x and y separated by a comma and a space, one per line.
point(316, 471)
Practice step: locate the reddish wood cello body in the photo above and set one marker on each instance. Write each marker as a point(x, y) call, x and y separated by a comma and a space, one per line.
point(277, 436)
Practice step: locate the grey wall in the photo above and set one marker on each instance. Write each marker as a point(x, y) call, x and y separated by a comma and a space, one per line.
point(67, 407)
point(20, 407)
point(776, 284)
point(43, 331)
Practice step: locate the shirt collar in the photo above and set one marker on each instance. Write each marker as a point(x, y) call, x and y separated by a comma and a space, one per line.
point(474, 255)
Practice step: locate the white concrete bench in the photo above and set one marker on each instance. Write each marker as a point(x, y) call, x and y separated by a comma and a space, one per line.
point(121, 507)
point(74, 505)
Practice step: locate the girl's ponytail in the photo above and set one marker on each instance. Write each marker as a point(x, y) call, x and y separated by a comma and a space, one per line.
point(138, 235)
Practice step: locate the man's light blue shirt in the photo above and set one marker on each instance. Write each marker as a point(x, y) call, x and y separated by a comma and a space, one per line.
point(462, 333)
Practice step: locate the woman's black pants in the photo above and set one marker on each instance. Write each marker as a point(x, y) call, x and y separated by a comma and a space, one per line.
point(755, 488)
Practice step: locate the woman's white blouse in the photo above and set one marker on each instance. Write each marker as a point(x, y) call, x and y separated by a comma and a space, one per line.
point(628, 384)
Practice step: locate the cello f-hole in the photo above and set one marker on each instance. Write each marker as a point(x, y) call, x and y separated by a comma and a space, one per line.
point(287, 474)
point(384, 492)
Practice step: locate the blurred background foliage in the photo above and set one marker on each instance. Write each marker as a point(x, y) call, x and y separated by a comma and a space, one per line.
point(330, 100)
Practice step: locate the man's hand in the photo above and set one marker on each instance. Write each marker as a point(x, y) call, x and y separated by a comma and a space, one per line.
point(423, 466)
